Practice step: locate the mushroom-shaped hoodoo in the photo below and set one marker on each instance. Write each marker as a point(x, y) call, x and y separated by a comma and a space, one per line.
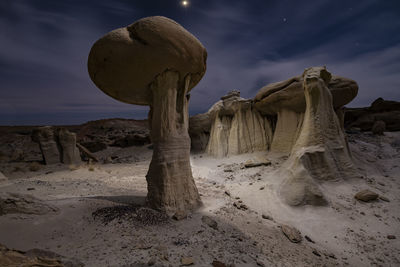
point(286, 100)
point(156, 62)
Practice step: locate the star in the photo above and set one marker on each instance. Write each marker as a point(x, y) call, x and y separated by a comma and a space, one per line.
point(284, 19)
point(185, 3)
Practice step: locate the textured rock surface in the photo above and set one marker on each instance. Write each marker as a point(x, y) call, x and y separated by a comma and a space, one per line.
point(156, 62)
point(320, 152)
point(366, 195)
point(34, 257)
point(46, 139)
point(237, 127)
point(67, 142)
point(291, 233)
point(199, 131)
point(22, 203)
point(286, 99)
point(57, 145)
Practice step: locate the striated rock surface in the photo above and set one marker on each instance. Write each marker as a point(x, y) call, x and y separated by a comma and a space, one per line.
point(366, 195)
point(237, 127)
point(286, 99)
point(156, 62)
point(57, 145)
point(316, 142)
point(46, 139)
point(67, 142)
point(199, 131)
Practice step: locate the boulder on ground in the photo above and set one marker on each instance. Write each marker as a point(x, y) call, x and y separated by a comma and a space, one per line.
point(291, 233)
point(366, 195)
point(378, 128)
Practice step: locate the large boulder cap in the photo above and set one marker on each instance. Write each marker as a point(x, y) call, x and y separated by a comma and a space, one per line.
point(124, 62)
point(289, 94)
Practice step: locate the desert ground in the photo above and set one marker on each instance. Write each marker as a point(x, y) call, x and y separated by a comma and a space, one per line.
point(99, 216)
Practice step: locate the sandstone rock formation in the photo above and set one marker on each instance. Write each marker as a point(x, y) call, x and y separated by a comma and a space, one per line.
point(57, 145)
point(156, 62)
point(286, 100)
point(237, 127)
point(319, 152)
point(46, 139)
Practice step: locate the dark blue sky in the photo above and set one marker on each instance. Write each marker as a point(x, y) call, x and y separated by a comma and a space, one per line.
point(44, 46)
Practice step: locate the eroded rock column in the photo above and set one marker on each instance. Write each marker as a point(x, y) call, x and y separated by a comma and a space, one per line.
point(170, 182)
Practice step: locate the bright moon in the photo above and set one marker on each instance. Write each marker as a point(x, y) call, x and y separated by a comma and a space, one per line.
point(185, 3)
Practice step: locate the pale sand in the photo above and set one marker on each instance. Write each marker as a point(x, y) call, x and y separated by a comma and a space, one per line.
point(242, 238)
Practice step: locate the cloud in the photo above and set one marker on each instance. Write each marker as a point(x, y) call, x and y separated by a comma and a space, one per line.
point(44, 47)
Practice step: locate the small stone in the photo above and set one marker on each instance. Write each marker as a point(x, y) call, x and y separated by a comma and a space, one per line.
point(316, 253)
point(210, 222)
point(30, 188)
point(309, 239)
point(262, 187)
point(186, 261)
point(151, 262)
point(259, 263)
point(383, 198)
point(391, 237)
point(218, 264)
point(251, 164)
point(228, 170)
point(267, 217)
point(366, 195)
point(227, 193)
point(291, 233)
point(179, 215)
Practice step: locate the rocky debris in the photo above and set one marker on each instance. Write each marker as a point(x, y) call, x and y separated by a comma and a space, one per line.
point(380, 110)
point(35, 257)
point(316, 253)
point(216, 263)
point(186, 261)
point(23, 203)
point(163, 83)
point(379, 127)
point(94, 146)
point(267, 217)
point(210, 222)
point(309, 239)
point(131, 214)
point(291, 233)
point(391, 237)
point(237, 127)
point(366, 195)
point(252, 164)
point(180, 215)
point(2, 177)
point(87, 153)
point(57, 145)
point(239, 205)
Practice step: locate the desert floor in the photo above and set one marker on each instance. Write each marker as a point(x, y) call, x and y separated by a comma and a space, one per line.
point(243, 201)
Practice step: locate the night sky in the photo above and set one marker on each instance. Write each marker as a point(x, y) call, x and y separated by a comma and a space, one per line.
point(44, 46)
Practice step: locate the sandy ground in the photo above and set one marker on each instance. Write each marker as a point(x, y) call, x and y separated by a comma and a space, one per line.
point(346, 232)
